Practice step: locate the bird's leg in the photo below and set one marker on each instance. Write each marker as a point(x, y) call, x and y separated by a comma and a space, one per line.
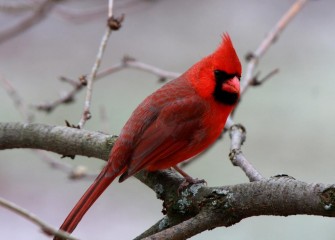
point(184, 174)
point(187, 178)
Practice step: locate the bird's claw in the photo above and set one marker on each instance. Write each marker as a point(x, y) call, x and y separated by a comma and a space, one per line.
point(190, 181)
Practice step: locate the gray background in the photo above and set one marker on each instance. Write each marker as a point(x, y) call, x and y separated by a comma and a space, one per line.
point(289, 119)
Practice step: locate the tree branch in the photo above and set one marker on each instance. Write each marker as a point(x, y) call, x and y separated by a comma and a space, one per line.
point(88, 99)
point(195, 208)
point(126, 62)
point(17, 100)
point(31, 217)
point(237, 135)
point(61, 140)
point(253, 59)
point(208, 208)
point(38, 15)
point(270, 39)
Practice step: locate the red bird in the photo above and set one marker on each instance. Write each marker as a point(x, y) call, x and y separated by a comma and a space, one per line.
point(175, 123)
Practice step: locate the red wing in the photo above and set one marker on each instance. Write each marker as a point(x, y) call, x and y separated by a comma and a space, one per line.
point(165, 139)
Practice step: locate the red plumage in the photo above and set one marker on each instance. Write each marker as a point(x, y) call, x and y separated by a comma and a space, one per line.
point(173, 124)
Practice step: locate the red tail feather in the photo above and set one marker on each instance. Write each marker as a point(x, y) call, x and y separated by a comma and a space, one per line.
point(86, 201)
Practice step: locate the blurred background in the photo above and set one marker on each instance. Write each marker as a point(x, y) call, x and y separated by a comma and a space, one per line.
point(289, 119)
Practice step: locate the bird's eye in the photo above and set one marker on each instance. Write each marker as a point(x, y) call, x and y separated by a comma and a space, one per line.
point(222, 76)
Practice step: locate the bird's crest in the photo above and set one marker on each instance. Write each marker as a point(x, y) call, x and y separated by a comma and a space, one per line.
point(225, 57)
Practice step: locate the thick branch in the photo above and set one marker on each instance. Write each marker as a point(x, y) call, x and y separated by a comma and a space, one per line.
point(63, 140)
point(195, 208)
point(225, 206)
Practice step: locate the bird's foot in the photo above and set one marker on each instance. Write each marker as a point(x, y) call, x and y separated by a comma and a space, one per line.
point(190, 181)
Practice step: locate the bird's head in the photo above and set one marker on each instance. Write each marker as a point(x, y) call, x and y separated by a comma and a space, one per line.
point(218, 75)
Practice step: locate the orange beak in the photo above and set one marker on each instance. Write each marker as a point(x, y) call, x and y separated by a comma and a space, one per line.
point(232, 85)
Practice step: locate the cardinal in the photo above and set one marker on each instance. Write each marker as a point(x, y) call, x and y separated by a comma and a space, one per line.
point(173, 124)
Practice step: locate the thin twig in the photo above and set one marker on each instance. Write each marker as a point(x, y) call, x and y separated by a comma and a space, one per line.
point(39, 14)
point(229, 122)
point(18, 6)
point(65, 98)
point(70, 81)
point(31, 217)
point(80, 16)
point(85, 15)
point(127, 62)
point(256, 81)
point(73, 172)
point(77, 172)
point(110, 8)
point(270, 39)
point(27, 115)
point(254, 58)
point(88, 99)
point(161, 73)
point(237, 135)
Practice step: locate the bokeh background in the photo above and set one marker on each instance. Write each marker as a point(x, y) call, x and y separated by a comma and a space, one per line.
point(289, 119)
